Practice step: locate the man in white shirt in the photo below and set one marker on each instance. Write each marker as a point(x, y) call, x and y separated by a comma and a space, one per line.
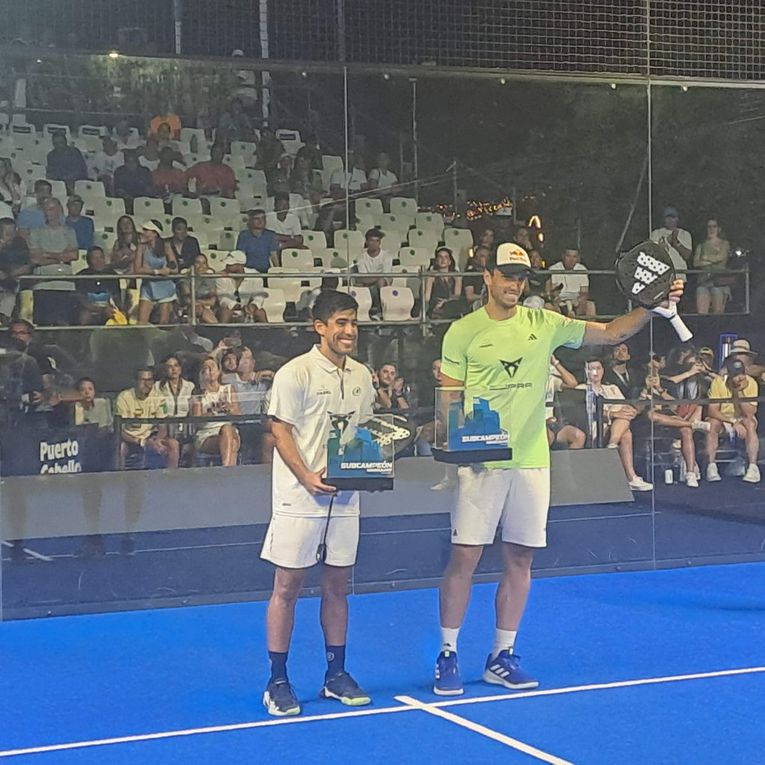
point(677, 240)
point(374, 260)
point(382, 180)
point(311, 520)
point(355, 179)
point(571, 276)
point(105, 162)
point(284, 223)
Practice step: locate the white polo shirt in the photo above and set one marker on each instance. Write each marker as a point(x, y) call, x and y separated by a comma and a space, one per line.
point(290, 226)
point(306, 390)
point(573, 281)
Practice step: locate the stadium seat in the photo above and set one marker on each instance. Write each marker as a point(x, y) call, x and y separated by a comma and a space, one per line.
point(227, 240)
point(459, 241)
point(58, 190)
point(404, 206)
point(30, 172)
point(223, 208)
point(148, 207)
point(250, 201)
point(290, 140)
point(415, 257)
point(397, 303)
point(331, 258)
point(393, 239)
point(365, 222)
point(235, 162)
point(92, 131)
point(279, 277)
point(273, 303)
point(4, 121)
point(196, 139)
point(18, 128)
point(363, 297)
point(81, 262)
point(369, 207)
point(350, 243)
point(316, 240)
point(331, 162)
point(430, 222)
point(88, 189)
point(251, 178)
point(184, 206)
point(50, 129)
point(89, 137)
point(411, 282)
point(104, 240)
point(300, 260)
point(398, 221)
point(244, 149)
point(251, 286)
point(423, 238)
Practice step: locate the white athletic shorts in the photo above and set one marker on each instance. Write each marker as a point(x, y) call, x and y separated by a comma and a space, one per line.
point(292, 541)
point(517, 499)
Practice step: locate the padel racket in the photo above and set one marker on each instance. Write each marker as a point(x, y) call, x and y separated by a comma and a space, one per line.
point(645, 274)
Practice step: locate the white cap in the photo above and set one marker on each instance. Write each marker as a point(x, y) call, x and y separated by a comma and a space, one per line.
point(511, 259)
point(233, 258)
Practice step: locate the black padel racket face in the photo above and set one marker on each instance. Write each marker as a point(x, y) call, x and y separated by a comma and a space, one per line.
point(392, 428)
point(645, 274)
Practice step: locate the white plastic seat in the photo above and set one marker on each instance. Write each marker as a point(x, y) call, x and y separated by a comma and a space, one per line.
point(331, 258)
point(148, 207)
point(316, 240)
point(184, 206)
point(430, 222)
point(331, 162)
point(363, 297)
point(104, 240)
point(365, 222)
point(393, 239)
point(251, 286)
point(279, 277)
point(459, 241)
point(31, 172)
point(81, 262)
point(290, 140)
point(411, 282)
point(248, 200)
point(399, 221)
point(223, 208)
point(189, 135)
point(273, 303)
point(58, 190)
point(300, 260)
point(415, 257)
point(246, 149)
point(89, 189)
point(235, 162)
point(405, 206)
point(251, 178)
point(350, 243)
point(50, 129)
point(369, 207)
point(422, 238)
point(89, 131)
point(397, 303)
point(18, 128)
point(227, 240)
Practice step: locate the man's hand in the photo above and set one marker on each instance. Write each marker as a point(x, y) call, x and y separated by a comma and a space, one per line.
point(315, 485)
point(676, 291)
point(156, 445)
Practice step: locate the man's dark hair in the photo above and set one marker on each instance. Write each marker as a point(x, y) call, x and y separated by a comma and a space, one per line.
point(330, 302)
point(256, 211)
point(84, 380)
point(91, 250)
point(7, 222)
point(141, 370)
point(388, 364)
point(375, 232)
point(177, 222)
point(40, 182)
point(281, 196)
point(594, 359)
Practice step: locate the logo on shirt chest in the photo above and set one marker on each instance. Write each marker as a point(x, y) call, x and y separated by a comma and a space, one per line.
point(511, 367)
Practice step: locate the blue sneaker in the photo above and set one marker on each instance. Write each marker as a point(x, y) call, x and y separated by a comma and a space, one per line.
point(345, 689)
point(506, 670)
point(280, 700)
point(448, 681)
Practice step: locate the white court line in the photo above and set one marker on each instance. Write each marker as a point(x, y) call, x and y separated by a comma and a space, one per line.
point(375, 711)
point(494, 735)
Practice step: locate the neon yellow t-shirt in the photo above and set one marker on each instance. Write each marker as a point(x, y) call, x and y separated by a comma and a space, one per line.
point(507, 362)
point(719, 389)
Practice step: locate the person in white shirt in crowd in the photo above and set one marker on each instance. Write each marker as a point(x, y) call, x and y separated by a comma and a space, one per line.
point(284, 223)
point(90, 410)
point(173, 389)
point(678, 241)
point(617, 422)
point(571, 276)
point(374, 260)
point(560, 435)
point(105, 162)
point(354, 179)
point(382, 180)
point(124, 137)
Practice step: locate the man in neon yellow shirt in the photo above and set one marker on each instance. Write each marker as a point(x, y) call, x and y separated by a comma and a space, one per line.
point(736, 418)
point(502, 351)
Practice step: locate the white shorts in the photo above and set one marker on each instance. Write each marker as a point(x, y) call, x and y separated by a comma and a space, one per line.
point(292, 541)
point(518, 499)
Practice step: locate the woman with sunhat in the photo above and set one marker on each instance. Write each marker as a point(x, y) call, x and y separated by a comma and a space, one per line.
point(152, 259)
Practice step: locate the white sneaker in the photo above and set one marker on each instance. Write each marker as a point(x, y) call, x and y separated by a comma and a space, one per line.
point(713, 474)
point(691, 481)
point(702, 425)
point(445, 484)
point(638, 484)
point(697, 471)
point(752, 474)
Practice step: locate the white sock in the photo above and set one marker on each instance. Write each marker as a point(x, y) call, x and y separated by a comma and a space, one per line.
point(503, 640)
point(449, 639)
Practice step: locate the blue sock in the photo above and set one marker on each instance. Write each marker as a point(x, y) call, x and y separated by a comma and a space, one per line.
point(278, 665)
point(335, 659)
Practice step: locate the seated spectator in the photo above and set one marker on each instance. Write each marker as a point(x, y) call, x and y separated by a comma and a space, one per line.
point(166, 143)
point(149, 154)
point(305, 304)
point(105, 163)
point(146, 440)
point(169, 122)
point(125, 246)
point(523, 238)
point(167, 179)
point(83, 227)
point(735, 417)
point(284, 223)
point(234, 125)
point(374, 260)
point(742, 351)
point(310, 152)
point(124, 137)
point(677, 241)
point(443, 292)
point(684, 374)
point(259, 245)
point(617, 425)
point(279, 177)
point(205, 294)
point(473, 286)
point(152, 260)
point(183, 247)
point(540, 291)
point(14, 262)
point(382, 180)
point(34, 217)
point(52, 250)
point(712, 255)
point(173, 389)
point(621, 373)
point(354, 179)
point(90, 410)
point(270, 149)
point(100, 299)
point(216, 399)
point(212, 178)
point(305, 180)
point(560, 435)
point(12, 188)
point(249, 384)
point(574, 298)
point(486, 238)
point(65, 162)
point(390, 395)
point(132, 180)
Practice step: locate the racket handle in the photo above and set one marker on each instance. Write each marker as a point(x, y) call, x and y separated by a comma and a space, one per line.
point(682, 330)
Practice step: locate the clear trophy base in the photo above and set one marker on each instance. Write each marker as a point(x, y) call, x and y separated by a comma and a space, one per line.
point(357, 483)
point(469, 456)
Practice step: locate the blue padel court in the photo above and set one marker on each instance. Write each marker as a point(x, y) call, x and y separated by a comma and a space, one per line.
point(644, 668)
